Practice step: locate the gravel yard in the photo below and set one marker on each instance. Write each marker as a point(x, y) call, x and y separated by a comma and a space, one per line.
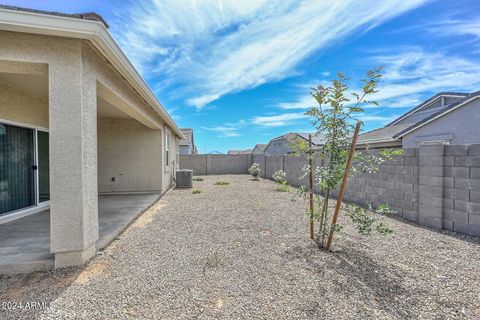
point(241, 251)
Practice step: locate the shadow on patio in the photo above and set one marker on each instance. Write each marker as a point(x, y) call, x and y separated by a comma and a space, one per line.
point(25, 243)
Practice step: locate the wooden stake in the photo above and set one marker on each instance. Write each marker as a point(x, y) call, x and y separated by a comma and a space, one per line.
point(343, 186)
point(310, 183)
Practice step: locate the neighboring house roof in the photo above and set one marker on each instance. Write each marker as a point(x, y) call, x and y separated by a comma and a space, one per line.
point(417, 116)
point(385, 134)
point(88, 26)
point(247, 151)
point(188, 134)
point(260, 146)
point(437, 96)
point(449, 108)
point(317, 140)
point(86, 16)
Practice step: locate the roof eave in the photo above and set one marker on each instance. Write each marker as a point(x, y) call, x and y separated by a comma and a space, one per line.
point(424, 103)
point(97, 33)
point(378, 140)
point(437, 115)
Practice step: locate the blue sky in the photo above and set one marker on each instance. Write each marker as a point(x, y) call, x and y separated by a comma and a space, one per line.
point(239, 72)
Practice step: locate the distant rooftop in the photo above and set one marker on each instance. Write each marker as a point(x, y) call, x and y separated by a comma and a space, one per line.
point(84, 16)
point(316, 139)
point(447, 108)
point(261, 146)
point(385, 134)
point(188, 133)
point(454, 96)
point(429, 108)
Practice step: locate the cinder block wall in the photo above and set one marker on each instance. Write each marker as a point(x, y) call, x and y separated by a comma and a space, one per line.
point(260, 159)
point(294, 168)
point(461, 188)
point(195, 162)
point(395, 184)
point(228, 164)
point(273, 164)
point(205, 164)
point(436, 186)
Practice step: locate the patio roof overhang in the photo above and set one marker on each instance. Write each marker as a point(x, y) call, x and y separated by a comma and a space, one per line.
point(95, 32)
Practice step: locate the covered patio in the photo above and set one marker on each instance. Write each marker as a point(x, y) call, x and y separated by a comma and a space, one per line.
point(25, 243)
point(85, 145)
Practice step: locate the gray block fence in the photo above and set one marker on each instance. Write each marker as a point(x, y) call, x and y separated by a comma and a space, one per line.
point(211, 164)
point(436, 186)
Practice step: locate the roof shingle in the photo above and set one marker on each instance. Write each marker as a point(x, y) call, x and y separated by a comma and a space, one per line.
point(384, 134)
point(84, 16)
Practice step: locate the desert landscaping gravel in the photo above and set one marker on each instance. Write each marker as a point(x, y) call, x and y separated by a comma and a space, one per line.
point(242, 251)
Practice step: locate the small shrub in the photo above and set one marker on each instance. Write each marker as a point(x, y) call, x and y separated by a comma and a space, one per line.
point(196, 191)
point(384, 209)
point(197, 179)
point(213, 261)
point(255, 171)
point(280, 177)
point(222, 183)
point(366, 221)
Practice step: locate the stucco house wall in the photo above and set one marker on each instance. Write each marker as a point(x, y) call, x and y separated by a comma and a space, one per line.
point(462, 124)
point(73, 162)
point(280, 146)
point(19, 106)
point(169, 170)
point(127, 152)
point(77, 74)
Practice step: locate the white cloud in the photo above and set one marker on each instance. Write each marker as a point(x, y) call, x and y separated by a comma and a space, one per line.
point(236, 129)
point(231, 134)
point(220, 128)
point(278, 120)
point(417, 72)
point(228, 129)
point(412, 75)
point(456, 27)
point(402, 102)
point(305, 102)
point(211, 48)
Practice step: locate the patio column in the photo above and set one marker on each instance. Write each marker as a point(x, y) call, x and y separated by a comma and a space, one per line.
point(73, 160)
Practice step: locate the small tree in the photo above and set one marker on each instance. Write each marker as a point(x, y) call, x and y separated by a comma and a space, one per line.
point(367, 220)
point(280, 177)
point(335, 118)
point(255, 171)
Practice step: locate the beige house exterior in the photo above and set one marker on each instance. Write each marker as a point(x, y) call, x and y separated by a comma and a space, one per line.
point(91, 122)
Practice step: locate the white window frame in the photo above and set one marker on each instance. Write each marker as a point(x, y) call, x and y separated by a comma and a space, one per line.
point(167, 151)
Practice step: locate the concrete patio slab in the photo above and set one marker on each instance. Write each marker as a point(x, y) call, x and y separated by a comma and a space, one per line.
point(25, 243)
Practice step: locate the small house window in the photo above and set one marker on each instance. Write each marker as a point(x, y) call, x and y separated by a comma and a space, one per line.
point(167, 149)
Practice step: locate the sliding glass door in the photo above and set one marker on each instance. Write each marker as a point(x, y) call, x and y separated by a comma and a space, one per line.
point(17, 168)
point(24, 168)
